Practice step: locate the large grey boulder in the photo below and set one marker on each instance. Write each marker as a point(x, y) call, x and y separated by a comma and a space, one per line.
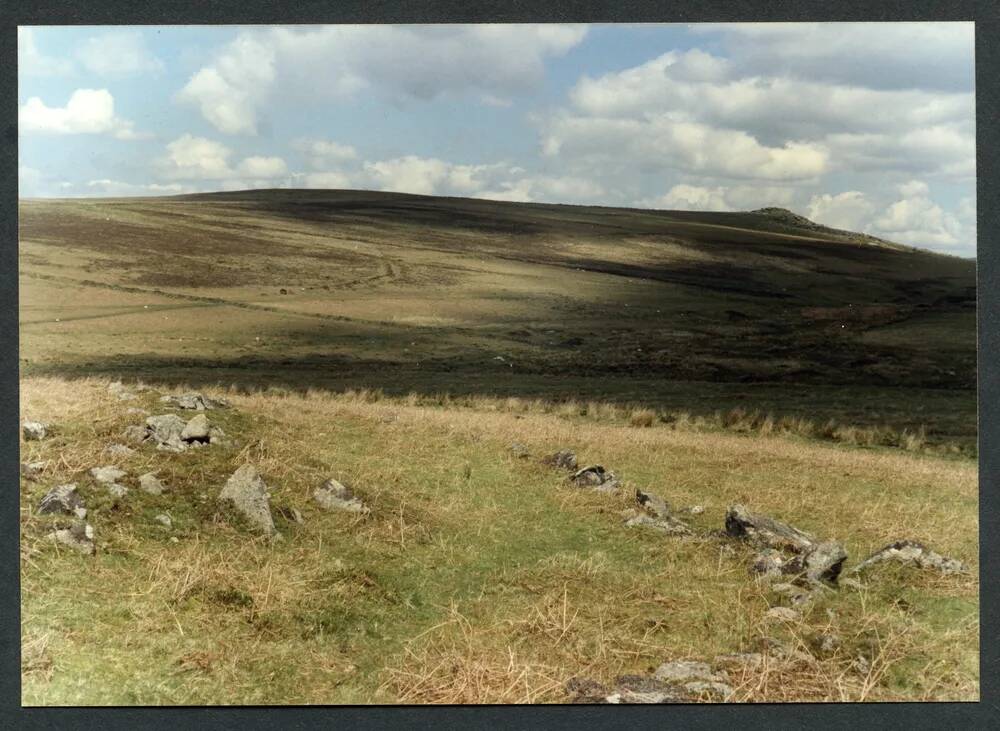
point(165, 430)
point(33, 431)
point(79, 537)
point(246, 491)
point(911, 553)
point(62, 499)
point(765, 531)
point(332, 495)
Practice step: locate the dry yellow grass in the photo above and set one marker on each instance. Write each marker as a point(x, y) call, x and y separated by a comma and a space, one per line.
point(478, 577)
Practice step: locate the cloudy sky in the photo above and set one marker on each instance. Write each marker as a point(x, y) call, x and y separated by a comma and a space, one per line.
point(863, 126)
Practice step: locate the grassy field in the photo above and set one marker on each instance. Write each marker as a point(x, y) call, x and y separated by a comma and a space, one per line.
point(478, 577)
point(402, 344)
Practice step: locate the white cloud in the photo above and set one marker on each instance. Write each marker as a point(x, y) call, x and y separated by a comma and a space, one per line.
point(32, 62)
point(916, 219)
point(191, 158)
point(850, 210)
point(689, 198)
point(324, 153)
point(121, 189)
point(547, 189)
point(330, 180)
point(403, 62)
point(117, 54)
point(88, 111)
point(29, 181)
point(263, 167)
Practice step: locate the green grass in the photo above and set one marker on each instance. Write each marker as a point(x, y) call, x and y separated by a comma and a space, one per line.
point(496, 587)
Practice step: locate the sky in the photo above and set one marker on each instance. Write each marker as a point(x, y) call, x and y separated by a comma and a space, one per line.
point(865, 126)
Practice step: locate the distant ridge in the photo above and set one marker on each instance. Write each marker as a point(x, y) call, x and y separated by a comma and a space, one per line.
point(793, 220)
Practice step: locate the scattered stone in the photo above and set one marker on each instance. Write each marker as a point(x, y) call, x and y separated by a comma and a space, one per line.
point(216, 436)
point(33, 431)
point(291, 514)
point(246, 491)
point(824, 561)
point(151, 484)
point(136, 411)
point(769, 563)
point(519, 450)
point(596, 478)
point(195, 400)
point(135, 434)
point(696, 509)
point(861, 665)
point(196, 430)
point(117, 491)
point(79, 537)
point(765, 531)
point(164, 520)
point(31, 470)
point(332, 495)
point(563, 458)
point(911, 553)
point(826, 643)
point(669, 525)
point(108, 474)
point(165, 430)
point(782, 614)
point(715, 691)
point(654, 504)
point(681, 671)
point(61, 499)
point(634, 689)
point(119, 450)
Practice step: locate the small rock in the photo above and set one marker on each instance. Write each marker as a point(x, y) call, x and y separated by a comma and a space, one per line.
point(696, 509)
point(79, 537)
point(108, 474)
point(782, 614)
point(196, 430)
point(861, 665)
point(165, 430)
point(164, 520)
point(117, 491)
point(332, 495)
point(292, 514)
point(194, 400)
point(119, 450)
point(136, 411)
point(60, 499)
point(519, 450)
point(769, 563)
point(669, 525)
point(720, 691)
point(33, 431)
point(563, 458)
point(654, 504)
point(912, 553)
point(216, 435)
point(135, 434)
point(246, 491)
point(634, 689)
point(585, 690)
point(151, 484)
point(681, 671)
point(826, 643)
point(32, 470)
point(825, 561)
point(595, 477)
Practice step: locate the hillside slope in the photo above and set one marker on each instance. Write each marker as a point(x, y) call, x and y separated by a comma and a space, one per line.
point(699, 311)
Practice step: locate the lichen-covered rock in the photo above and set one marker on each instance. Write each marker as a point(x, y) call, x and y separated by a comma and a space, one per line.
point(519, 450)
point(654, 504)
point(668, 525)
point(117, 491)
point(332, 495)
point(108, 474)
point(824, 561)
point(766, 531)
point(61, 499)
point(290, 514)
point(681, 671)
point(119, 450)
point(164, 520)
point(165, 430)
point(151, 484)
point(246, 491)
point(196, 430)
point(595, 477)
point(79, 537)
point(564, 459)
point(33, 431)
point(911, 553)
point(135, 434)
point(638, 689)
